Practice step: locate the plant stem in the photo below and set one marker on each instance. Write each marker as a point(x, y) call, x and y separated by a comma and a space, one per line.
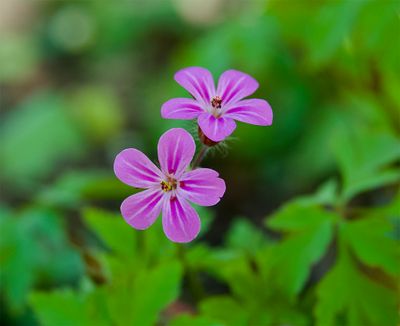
point(200, 156)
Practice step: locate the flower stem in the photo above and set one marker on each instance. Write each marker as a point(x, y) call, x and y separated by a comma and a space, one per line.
point(200, 156)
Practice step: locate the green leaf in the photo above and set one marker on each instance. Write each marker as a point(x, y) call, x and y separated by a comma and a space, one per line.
point(224, 309)
point(66, 308)
point(186, 320)
point(363, 159)
point(113, 231)
point(310, 233)
point(371, 242)
point(348, 297)
point(153, 291)
point(34, 241)
point(245, 237)
point(297, 215)
point(75, 188)
point(62, 308)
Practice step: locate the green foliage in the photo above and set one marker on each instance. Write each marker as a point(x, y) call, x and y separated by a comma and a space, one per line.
point(34, 251)
point(348, 296)
point(134, 293)
point(311, 231)
point(80, 81)
point(364, 161)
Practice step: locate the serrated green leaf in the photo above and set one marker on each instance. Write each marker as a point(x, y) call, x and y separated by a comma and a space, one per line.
point(153, 291)
point(224, 309)
point(113, 230)
point(62, 308)
point(310, 232)
point(245, 237)
point(66, 308)
point(34, 241)
point(370, 240)
point(363, 158)
point(348, 297)
point(296, 216)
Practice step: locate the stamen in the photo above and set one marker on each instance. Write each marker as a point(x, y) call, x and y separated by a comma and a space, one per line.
point(169, 184)
point(216, 102)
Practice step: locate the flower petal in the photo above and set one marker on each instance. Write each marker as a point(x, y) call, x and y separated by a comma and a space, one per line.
point(254, 111)
point(176, 148)
point(180, 221)
point(217, 129)
point(234, 85)
point(134, 168)
point(202, 187)
point(142, 209)
point(181, 108)
point(198, 82)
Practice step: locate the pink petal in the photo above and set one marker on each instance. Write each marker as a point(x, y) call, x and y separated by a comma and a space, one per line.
point(142, 209)
point(202, 187)
point(234, 85)
point(135, 169)
point(175, 151)
point(198, 82)
point(181, 108)
point(254, 111)
point(217, 129)
point(181, 222)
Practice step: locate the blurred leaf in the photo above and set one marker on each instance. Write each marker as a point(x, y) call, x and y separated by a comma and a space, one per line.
point(41, 130)
point(299, 215)
point(224, 309)
point(311, 231)
point(347, 297)
point(113, 230)
point(65, 308)
point(76, 187)
point(370, 240)
point(245, 236)
point(329, 27)
point(154, 291)
point(363, 158)
point(185, 320)
point(35, 241)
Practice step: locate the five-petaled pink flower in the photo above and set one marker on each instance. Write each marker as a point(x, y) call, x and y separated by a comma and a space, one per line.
point(170, 189)
point(216, 109)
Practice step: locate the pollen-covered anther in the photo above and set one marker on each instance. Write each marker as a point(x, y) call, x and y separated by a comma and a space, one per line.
point(216, 102)
point(168, 185)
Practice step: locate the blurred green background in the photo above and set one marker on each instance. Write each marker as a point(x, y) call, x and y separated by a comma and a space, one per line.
point(308, 230)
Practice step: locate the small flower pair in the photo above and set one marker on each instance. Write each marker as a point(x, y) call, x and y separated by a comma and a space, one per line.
point(170, 189)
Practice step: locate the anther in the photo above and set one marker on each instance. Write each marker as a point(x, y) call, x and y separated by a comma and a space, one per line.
point(216, 102)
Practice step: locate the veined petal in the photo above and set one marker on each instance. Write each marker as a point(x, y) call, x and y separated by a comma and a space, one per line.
point(253, 111)
point(181, 108)
point(176, 148)
point(134, 168)
point(142, 209)
point(180, 221)
point(234, 85)
point(202, 186)
point(217, 129)
point(198, 82)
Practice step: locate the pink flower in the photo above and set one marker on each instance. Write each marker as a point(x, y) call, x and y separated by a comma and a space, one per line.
point(217, 109)
point(170, 189)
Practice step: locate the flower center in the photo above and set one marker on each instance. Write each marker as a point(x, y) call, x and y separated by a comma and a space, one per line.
point(216, 102)
point(169, 184)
